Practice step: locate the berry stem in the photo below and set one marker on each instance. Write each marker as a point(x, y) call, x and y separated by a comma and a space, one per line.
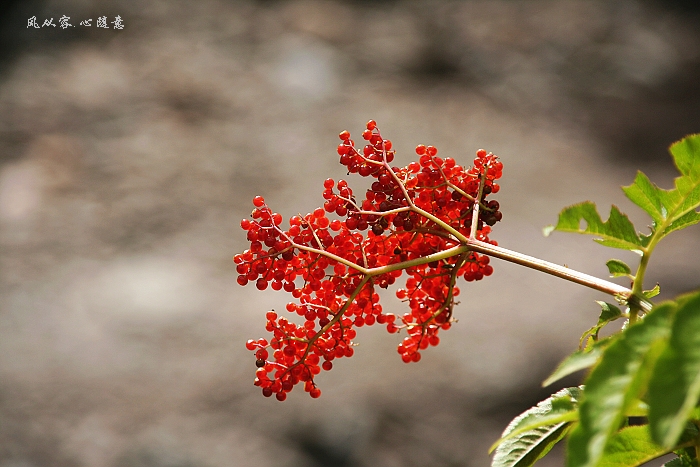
point(469, 244)
point(531, 262)
point(449, 300)
point(450, 252)
point(475, 216)
point(505, 254)
point(337, 317)
point(327, 254)
point(562, 272)
point(602, 285)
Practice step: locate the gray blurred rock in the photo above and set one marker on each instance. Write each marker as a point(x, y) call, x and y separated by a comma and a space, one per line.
point(128, 158)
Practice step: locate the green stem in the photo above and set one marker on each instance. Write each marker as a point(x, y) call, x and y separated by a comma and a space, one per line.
point(638, 283)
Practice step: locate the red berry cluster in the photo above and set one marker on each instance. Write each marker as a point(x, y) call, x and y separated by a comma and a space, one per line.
point(412, 219)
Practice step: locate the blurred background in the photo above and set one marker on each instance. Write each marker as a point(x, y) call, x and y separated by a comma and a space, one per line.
point(128, 158)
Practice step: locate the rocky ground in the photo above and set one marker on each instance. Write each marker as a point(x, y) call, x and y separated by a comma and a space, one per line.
point(128, 158)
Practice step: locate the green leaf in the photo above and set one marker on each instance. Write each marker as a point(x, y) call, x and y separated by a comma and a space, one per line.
point(526, 450)
point(638, 408)
point(615, 384)
point(630, 447)
point(653, 292)
point(556, 408)
point(578, 360)
point(674, 388)
point(588, 356)
point(616, 232)
point(672, 209)
point(618, 268)
point(687, 456)
point(682, 222)
point(686, 155)
point(609, 313)
point(677, 462)
point(532, 434)
point(647, 196)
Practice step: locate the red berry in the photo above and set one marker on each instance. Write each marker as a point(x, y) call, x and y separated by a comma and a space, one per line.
point(279, 259)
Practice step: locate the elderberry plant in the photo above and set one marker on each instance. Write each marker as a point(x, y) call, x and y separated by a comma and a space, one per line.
point(431, 220)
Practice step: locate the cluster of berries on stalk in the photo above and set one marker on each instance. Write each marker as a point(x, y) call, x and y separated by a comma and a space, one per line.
point(416, 219)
